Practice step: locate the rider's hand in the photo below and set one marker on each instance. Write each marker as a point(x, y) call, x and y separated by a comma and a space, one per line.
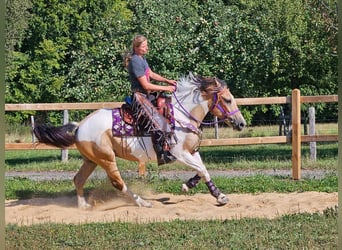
point(171, 82)
point(171, 88)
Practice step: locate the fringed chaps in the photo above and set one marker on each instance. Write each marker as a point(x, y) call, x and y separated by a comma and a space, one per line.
point(148, 116)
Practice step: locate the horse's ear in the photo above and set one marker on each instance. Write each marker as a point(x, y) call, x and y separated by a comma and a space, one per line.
point(217, 82)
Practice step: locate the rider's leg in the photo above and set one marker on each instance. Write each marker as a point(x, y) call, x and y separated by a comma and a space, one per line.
point(161, 131)
point(162, 148)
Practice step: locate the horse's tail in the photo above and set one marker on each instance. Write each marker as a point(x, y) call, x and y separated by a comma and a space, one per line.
point(62, 136)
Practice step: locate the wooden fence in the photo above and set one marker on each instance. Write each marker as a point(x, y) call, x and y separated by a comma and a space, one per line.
point(295, 138)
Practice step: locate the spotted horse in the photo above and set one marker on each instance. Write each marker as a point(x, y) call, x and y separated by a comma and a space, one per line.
point(194, 97)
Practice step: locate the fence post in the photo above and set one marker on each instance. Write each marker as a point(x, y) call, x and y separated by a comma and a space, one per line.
point(32, 126)
point(65, 152)
point(296, 135)
point(312, 131)
point(216, 128)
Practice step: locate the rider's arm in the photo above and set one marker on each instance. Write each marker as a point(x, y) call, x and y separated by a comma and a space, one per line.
point(159, 78)
point(148, 86)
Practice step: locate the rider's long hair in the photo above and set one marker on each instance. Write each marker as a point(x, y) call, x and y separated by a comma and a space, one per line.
point(137, 41)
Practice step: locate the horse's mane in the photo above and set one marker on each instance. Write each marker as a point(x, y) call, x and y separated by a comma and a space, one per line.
point(191, 85)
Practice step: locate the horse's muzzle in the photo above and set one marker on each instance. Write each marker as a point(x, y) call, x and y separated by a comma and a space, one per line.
point(238, 124)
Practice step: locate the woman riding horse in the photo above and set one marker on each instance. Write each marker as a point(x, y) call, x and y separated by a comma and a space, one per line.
point(102, 136)
point(140, 74)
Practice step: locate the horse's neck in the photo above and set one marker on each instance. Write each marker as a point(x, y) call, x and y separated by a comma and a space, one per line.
point(190, 111)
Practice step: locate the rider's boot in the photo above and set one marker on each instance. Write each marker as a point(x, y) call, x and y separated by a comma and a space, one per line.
point(162, 149)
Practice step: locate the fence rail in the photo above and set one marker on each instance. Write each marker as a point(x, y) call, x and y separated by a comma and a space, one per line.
point(295, 138)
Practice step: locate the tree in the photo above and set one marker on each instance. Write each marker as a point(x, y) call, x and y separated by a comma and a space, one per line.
point(72, 51)
point(96, 71)
point(17, 16)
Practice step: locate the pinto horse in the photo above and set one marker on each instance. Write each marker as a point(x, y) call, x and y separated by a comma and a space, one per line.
point(99, 145)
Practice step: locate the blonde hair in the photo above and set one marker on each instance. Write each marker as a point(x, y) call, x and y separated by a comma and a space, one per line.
point(136, 42)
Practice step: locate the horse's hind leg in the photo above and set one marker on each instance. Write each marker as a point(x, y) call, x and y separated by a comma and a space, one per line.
point(79, 180)
point(117, 181)
point(108, 162)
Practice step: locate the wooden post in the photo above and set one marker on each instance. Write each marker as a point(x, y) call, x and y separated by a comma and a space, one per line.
point(32, 126)
point(312, 131)
point(65, 152)
point(296, 135)
point(216, 128)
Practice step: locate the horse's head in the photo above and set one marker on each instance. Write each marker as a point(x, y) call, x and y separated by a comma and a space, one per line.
point(221, 102)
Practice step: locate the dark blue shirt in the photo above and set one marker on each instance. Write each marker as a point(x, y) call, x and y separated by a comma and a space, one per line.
point(138, 67)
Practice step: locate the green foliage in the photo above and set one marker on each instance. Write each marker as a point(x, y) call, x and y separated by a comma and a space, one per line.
point(96, 72)
point(17, 15)
point(208, 38)
point(71, 51)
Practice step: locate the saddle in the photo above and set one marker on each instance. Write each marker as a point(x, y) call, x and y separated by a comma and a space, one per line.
point(138, 118)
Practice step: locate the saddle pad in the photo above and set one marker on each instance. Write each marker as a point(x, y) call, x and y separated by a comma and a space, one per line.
point(119, 127)
point(122, 128)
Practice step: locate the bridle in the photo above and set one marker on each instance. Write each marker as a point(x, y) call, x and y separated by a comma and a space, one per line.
point(216, 104)
point(226, 113)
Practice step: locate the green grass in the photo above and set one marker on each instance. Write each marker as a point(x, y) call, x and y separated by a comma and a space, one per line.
point(23, 188)
point(252, 157)
point(299, 231)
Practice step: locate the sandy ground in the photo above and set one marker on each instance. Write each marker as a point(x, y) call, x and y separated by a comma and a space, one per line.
point(166, 207)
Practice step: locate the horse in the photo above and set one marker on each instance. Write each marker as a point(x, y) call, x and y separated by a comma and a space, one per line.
point(94, 138)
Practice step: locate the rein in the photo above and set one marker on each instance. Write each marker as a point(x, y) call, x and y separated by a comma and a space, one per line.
point(226, 114)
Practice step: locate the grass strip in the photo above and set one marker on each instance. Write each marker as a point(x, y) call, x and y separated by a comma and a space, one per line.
point(299, 231)
point(23, 188)
point(268, 156)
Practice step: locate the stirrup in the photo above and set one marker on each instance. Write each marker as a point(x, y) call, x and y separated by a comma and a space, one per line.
point(165, 158)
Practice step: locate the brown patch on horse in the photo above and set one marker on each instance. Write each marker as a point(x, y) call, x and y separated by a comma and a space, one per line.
point(109, 147)
point(199, 113)
point(122, 150)
point(191, 143)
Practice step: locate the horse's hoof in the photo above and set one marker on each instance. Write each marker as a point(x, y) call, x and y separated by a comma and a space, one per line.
point(148, 204)
point(222, 199)
point(142, 203)
point(85, 206)
point(145, 204)
point(185, 188)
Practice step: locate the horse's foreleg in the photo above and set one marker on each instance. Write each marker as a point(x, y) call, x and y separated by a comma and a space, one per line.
point(191, 183)
point(214, 191)
point(79, 180)
point(195, 161)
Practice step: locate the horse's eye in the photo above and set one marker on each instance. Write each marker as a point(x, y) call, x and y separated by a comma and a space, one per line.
point(228, 101)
